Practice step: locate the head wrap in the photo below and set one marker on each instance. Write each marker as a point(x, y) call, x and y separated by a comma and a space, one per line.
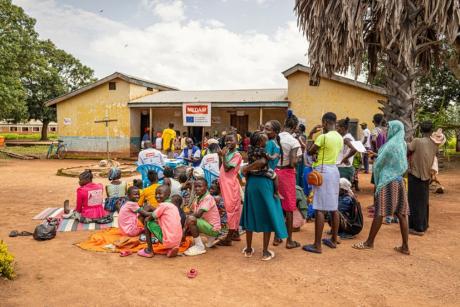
point(391, 161)
point(346, 185)
point(212, 141)
point(438, 137)
point(114, 173)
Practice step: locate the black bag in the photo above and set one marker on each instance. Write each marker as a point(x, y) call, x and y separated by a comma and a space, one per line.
point(355, 219)
point(46, 230)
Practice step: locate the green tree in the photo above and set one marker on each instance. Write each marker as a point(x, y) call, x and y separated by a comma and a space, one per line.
point(17, 37)
point(54, 73)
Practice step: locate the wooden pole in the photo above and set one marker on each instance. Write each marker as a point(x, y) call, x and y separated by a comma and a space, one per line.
point(150, 124)
point(261, 116)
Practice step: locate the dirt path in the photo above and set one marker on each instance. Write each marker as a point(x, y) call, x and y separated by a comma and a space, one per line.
point(58, 273)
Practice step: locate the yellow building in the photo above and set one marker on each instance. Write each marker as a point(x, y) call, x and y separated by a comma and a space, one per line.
point(345, 97)
point(132, 104)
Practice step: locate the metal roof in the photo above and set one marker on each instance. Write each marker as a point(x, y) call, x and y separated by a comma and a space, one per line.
point(364, 86)
point(127, 78)
point(223, 98)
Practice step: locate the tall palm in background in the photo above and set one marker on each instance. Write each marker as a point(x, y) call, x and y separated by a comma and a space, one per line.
point(402, 37)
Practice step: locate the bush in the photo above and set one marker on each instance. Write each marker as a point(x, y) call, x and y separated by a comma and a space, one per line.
point(30, 136)
point(6, 262)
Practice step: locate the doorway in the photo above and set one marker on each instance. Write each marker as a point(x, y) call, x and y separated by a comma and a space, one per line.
point(240, 123)
point(196, 133)
point(145, 123)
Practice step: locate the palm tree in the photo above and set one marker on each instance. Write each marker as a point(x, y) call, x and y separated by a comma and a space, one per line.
point(404, 37)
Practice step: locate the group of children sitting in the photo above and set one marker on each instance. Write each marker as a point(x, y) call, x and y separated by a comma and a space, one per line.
point(163, 213)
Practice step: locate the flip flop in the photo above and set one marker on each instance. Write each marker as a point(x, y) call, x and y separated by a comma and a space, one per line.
point(125, 253)
point(13, 234)
point(172, 252)
point(329, 243)
point(277, 242)
point(296, 244)
point(361, 246)
point(399, 249)
point(192, 273)
point(143, 253)
point(272, 255)
point(311, 249)
point(248, 255)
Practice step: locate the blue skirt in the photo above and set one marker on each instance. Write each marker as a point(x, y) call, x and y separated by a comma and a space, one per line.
point(262, 211)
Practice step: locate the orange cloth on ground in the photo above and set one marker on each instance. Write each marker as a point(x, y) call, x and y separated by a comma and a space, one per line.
point(97, 242)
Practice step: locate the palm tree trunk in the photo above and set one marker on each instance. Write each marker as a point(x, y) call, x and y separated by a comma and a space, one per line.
point(44, 136)
point(402, 101)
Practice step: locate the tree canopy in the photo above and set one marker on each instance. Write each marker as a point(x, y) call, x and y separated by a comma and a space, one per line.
point(33, 71)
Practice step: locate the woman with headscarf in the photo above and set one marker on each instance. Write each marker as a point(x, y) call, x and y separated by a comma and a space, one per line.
point(115, 190)
point(390, 194)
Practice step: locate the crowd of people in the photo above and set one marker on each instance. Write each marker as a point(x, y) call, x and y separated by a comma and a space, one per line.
point(262, 180)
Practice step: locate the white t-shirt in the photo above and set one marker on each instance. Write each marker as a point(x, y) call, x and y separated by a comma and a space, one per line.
point(210, 162)
point(288, 143)
point(175, 187)
point(150, 156)
point(158, 143)
point(345, 150)
point(366, 133)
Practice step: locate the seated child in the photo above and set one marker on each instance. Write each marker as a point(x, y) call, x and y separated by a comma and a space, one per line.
point(90, 207)
point(115, 190)
point(204, 219)
point(185, 188)
point(127, 218)
point(168, 179)
point(257, 152)
point(214, 190)
point(148, 194)
point(164, 223)
point(178, 202)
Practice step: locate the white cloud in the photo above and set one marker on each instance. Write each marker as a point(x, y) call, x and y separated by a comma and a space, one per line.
point(186, 53)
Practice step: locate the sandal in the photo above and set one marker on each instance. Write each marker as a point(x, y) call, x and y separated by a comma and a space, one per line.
point(311, 249)
point(361, 245)
point(25, 233)
point(246, 254)
point(329, 243)
point(268, 258)
point(13, 234)
point(144, 253)
point(295, 245)
point(399, 249)
point(126, 253)
point(192, 273)
point(172, 252)
point(277, 241)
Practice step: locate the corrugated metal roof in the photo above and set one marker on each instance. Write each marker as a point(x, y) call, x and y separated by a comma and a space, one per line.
point(218, 96)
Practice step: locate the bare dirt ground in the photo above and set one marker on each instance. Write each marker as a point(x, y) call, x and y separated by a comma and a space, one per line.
point(58, 273)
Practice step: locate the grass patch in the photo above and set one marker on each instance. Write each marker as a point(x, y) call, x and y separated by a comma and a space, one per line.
point(28, 137)
point(40, 150)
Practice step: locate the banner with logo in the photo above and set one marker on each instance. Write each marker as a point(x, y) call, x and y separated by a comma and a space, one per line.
point(196, 114)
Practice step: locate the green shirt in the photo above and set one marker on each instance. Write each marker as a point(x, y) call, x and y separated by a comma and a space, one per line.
point(330, 144)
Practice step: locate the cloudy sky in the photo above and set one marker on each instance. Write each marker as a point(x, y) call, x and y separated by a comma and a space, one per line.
point(191, 44)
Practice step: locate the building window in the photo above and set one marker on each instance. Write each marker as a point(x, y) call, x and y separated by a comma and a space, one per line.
point(25, 129)
point(112, 86)
point(53, 129)
point(150, 89)
point(36, 129)
point(13, 129)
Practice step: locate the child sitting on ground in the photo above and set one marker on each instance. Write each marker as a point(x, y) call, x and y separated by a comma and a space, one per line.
point(90, 207)
point(128, 217)
point(148, 194)
point(116, 190)
point(204, 219)
point(164, 223)
point(256, 152)
point(214, 190)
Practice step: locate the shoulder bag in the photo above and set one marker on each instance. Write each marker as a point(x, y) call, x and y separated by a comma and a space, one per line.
point(316, 178)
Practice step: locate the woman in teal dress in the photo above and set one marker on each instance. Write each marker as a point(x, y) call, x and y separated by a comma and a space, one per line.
point(262, 211)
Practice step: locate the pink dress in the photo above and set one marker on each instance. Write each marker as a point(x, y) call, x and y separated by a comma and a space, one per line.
point(127, 219)
point(230, 189)
point(90, 201)
point(169, 221)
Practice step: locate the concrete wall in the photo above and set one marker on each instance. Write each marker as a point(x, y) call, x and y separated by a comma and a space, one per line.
point(83, 135)
point(311, 102)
